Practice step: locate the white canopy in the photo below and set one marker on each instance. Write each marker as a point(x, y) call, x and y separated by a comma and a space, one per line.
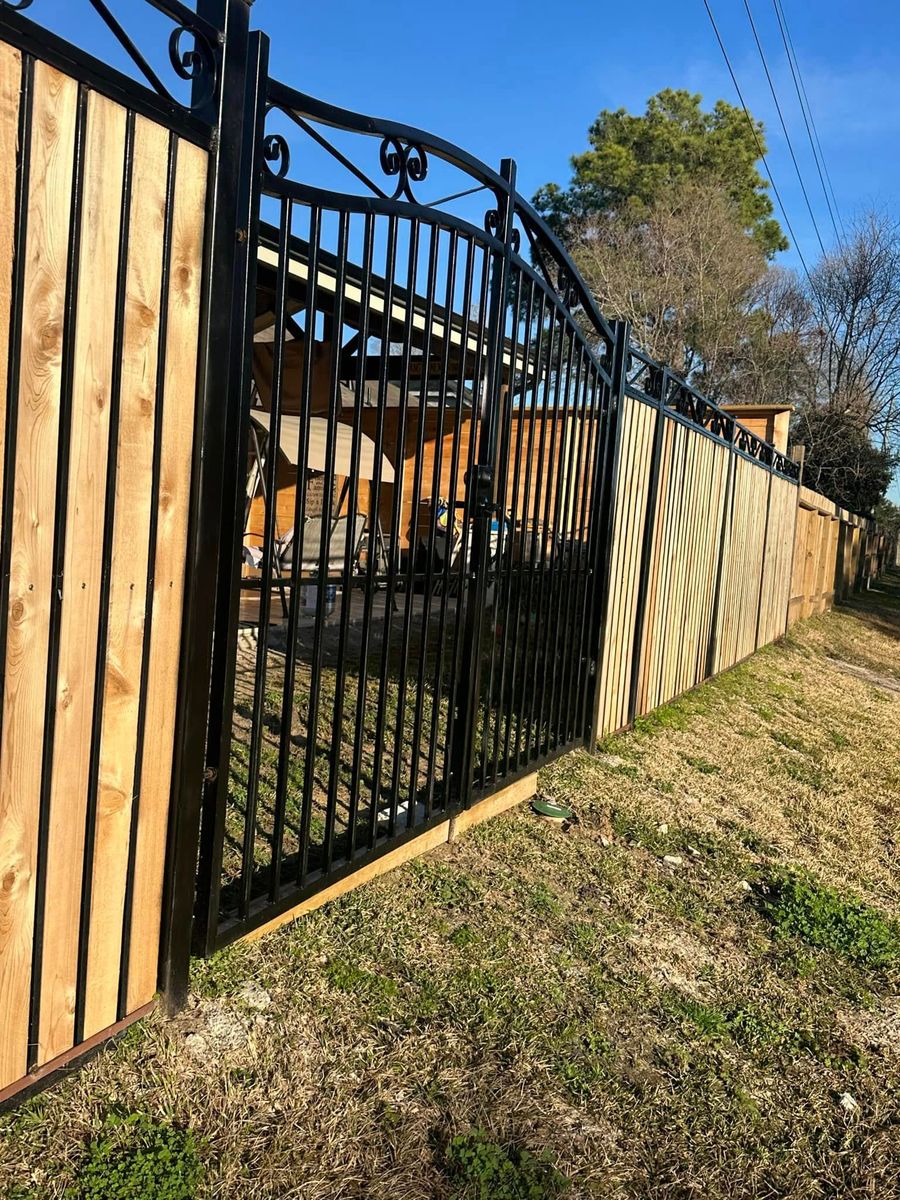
point(318, 443)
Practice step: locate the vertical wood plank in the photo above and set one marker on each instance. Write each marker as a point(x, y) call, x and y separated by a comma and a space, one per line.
point(92, 385)
point(169, 569)
point(128, 578)
point(10, 85)
point(52, 156)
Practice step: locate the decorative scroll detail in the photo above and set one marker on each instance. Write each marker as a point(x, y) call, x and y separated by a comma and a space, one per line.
point(276, 150)
point(567, 288)
point(653, 382)
point(408, 161)
point(198, 62)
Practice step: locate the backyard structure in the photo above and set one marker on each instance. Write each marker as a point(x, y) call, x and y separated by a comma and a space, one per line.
point(317, 536)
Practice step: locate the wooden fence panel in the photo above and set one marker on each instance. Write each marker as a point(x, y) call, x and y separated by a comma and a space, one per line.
point(720, 557)
point(91, 396)
point(101, 247)
point(47, 211)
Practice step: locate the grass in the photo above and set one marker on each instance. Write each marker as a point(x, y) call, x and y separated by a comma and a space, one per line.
point(560, 1012)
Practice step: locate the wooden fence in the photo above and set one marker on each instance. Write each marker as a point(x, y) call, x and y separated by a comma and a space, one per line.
point(101, 232)
point(713, 555)
point(837, 552)
point(700, 569)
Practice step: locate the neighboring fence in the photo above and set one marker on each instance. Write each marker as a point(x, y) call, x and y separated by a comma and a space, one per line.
point(837, 553)
point(702, 531)
point(714, 550)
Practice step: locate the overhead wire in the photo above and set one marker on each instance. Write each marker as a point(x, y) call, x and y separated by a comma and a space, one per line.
point(808, 119)
point(759, 145)
point(784, 128)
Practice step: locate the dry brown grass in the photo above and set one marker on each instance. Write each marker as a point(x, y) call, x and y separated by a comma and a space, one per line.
point(637, 1020)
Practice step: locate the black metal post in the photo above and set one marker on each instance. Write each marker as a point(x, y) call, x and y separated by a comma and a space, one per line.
point(603, 518)
point(662, 382)
point(229, 277)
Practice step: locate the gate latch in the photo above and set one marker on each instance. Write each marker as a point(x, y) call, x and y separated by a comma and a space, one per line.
point(481, 479)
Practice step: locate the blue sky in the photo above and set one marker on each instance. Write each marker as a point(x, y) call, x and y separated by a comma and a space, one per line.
point(526, 80)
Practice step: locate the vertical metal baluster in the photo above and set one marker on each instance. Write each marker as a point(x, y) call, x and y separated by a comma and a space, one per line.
point(519, 534)
point(587, 580)
point(557, 546)
point(306, 393)
point(410, 594)
point(559, 624)
point(548, 466)
point(257, 731)
point(352, 505)
point(324, 575)
point(447, 569)
point(574, 584)
point(396, 510)
point(483, 485)
point(290, 664)
point(428, 583)
point(502, 573)
point(362, 699)
point(464, 586)
point(537, 431)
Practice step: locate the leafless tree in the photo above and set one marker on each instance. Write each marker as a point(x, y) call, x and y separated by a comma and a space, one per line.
point(698, 292)
point(855, 295)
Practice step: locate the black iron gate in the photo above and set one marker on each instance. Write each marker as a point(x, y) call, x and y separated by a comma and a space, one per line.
point(406, 602)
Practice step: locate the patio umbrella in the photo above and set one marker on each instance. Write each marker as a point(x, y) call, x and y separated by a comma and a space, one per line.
point(289, 442)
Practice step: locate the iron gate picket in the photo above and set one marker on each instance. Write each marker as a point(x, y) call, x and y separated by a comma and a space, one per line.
point(406, 616)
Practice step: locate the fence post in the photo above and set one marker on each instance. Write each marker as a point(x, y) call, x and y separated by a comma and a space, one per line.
point(605, 519)
point(762, 564)
point(662, 385)
point(727, 517)
point(481, 501)
point(223, 360)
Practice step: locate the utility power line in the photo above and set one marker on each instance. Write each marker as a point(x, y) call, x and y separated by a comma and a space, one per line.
point(759, 145)
point(808, 118)
point(787, 136)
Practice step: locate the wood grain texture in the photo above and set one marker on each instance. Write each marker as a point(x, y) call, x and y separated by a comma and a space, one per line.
point(49, 200)
point(10, 85)
point(91, 394)
point(128, 574)
point(168, 577)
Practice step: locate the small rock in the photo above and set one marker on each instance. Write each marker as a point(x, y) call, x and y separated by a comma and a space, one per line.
point(662, 828)
point(611, 760)
point(605, 841)
point(744, 886)
point(254, 996)
point(848, 1103)
point(673, 860)
point(693, 851)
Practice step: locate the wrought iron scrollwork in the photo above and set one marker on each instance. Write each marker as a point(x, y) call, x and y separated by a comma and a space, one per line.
point(276, 151)
point(197, 63)
point(408, 161)
point(492, 226)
